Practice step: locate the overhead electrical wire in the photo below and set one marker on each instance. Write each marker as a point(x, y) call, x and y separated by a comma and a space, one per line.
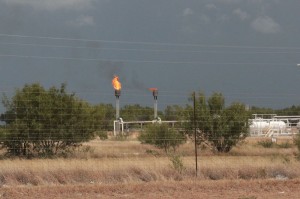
point(148, 50)
point(150, 43)
point(143, 61)
point(262, 49)
point(145, 50)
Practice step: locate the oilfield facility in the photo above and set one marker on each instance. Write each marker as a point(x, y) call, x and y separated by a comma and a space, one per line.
point(269, 125)
point(260, 125)
point(122, 127)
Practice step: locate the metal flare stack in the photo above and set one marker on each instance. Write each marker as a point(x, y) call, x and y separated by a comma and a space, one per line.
point(117, 86)
point(117, 94)
point(155, 94)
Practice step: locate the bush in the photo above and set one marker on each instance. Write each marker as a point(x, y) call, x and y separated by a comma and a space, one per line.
point(161, 136)
point(102, 135)
point(284, 145)
point(2, 135)
point(152, 152)
point(297, 143)
point(223, 127)
point(266, 143)
point(42, 122)
point(177, 163)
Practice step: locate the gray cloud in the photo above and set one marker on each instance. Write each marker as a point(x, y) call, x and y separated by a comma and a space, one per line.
point(205, 19)
point(210, 6)
point(83, 20)
point(223, 18)
point(266, 25)
point(229, 1)
point(187, 12)
point(241, 14)
point(211, 31)
point(51, 4)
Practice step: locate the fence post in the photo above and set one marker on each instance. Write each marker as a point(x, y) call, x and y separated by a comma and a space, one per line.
point(195, 132)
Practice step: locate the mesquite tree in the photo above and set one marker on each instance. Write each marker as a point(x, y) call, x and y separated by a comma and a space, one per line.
point(217, 125)
point(44, 122)
point(162, 136)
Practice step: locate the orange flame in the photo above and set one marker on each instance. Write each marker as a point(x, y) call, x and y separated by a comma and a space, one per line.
point(116, 84)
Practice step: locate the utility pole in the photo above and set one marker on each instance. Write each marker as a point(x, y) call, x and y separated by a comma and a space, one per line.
point(195, 132)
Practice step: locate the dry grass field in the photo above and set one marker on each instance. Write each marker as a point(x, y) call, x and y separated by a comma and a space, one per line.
point(128, 169)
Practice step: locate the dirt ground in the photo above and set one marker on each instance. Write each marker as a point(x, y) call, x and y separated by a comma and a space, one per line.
point(240, 189)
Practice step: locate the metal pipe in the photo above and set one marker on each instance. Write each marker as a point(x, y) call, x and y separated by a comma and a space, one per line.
point(155, 94)
point(155, 108)
point(195, 132)
point(117, 108)
point(115, 133)
point(117, 94)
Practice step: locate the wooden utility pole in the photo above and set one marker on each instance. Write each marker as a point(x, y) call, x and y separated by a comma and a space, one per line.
point(195, 132)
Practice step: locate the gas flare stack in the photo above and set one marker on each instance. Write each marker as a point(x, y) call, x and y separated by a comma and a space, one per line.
point(117, 94)
point(117, 86)
point(155, 94)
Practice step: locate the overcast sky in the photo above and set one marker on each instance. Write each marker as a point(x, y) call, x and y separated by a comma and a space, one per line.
point(246, 49)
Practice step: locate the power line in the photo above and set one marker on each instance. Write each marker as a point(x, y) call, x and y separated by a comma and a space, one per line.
point(141, 61)
point(148, 50)
point(149, 43)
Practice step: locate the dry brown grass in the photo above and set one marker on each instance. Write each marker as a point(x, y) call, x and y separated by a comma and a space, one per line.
point(239, 189)
point(127, 169)
point(114, 162)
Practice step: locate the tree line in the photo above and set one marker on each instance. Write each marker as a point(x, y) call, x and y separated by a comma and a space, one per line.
point(47, 122)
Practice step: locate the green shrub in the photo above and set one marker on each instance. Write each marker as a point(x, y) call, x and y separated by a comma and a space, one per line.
point(152, 152)
point(284, 145)
point(297, 141)
point(177, 163)
point(266, 143)
point(102, 135)
point(220, 125)
point(45, 122)
point(163, 137)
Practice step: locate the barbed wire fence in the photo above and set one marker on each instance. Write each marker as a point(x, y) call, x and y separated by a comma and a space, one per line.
point(54, 124)
point(51, 117)
point(46, 124)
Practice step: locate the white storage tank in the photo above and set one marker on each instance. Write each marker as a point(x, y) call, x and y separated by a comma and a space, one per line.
point(259, 124)
point(278, 126)
point(257, 127)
